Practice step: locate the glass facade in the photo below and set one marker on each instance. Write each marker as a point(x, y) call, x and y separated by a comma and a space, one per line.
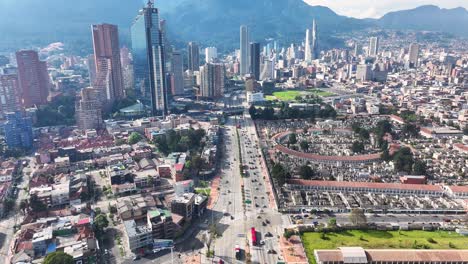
point(148, 60)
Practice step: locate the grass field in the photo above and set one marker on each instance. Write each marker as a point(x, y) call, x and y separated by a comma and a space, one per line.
point(321, 93)
point(288, 96)
point(384, 240)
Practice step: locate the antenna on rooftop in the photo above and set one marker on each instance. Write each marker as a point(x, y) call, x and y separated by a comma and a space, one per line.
point(150, 3)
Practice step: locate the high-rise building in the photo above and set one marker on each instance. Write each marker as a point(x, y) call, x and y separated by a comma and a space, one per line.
point(311, 51)
point(177, 72)
point(357, 49)
point(88, 109)
point(268, 69)
point(212, 80)
point(9, 98)
point(374, 47)
point(148, 59)
point(211, 53)
point(91, 63)
point(33, 78)
point(109, 77)
point(364, 72)
point(308, 47)
point(193, 56)
point(314, 44)
point(413, 55)
point(244, 50)
point(18, 131)
point(255, 60)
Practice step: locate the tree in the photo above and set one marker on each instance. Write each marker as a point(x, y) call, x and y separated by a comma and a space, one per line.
point(304, 145)
point(279, 173)
point(358, 217)
point(253, 112)
point(419, 168)
point(332, 222)
point(292, 138)
point(385, 156)
point(306, 172)
point(23, 205)
point(134, 138)
point(410, 130)
point(403, 160)
point(364, 134)
point(100, 223)
point(58, 257)
point(36, 204)
point(357, 147)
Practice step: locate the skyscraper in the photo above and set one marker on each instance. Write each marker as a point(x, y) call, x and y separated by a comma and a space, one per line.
point(374, 47)
point(211, 53)
point(9, 99)
point(18, 131)
point(308, 47)
point(193, 56)
point(314, 44)
point(109, 78)
point(413, 55)
point(148, 59)
point(177, 69)
point(244, 50)
point(88, 109)
point(33, 78)
point(255, 60)
point(212, 80)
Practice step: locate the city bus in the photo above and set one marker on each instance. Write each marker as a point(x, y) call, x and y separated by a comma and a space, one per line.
point(254, 236)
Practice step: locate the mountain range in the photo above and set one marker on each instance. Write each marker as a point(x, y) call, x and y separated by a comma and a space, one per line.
point(27, 23)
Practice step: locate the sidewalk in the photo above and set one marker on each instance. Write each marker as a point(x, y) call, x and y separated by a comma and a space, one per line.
point(293, 251)
point(214, 194)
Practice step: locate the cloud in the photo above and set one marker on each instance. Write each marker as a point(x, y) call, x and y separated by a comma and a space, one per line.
point(378, 8)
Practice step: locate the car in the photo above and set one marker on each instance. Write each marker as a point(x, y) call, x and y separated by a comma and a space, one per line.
point(259, 217)
point(256, 205)
point(232, 217)
point(271, 251)
point(268, 234)
point(267, 221)
point(136, 258)
point(264, 224)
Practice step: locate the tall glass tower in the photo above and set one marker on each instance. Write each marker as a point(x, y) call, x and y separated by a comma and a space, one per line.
point(149, 59)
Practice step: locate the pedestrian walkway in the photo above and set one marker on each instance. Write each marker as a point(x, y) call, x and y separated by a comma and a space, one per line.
point(293, 251)
point(214, 194)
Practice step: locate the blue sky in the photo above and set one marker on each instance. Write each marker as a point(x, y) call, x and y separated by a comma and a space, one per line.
point(378, 8)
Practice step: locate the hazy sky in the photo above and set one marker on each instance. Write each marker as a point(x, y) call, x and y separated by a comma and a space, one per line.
point(377, 8)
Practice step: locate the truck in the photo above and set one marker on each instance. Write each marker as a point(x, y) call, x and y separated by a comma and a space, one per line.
point(254, 236)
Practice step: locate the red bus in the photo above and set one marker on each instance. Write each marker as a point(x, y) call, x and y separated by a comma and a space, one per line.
point(254, 236)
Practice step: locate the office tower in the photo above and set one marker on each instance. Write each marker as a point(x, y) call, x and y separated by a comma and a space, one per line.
point(244, 50)
point(18, 131)
point(33, 78)
point(374, 47)
point(148, 59)
point(268, 69)
point(109, 77)
point(364, 72)
point(9, 97)
point(177, 78)
point(88, 109)
point(193, 57)
point(314, 44)
point(308, 47)
point(413, 55)
point(211, 53)
point(357, 49)
point(255, 60)
point(91, 63)
point(212, 80)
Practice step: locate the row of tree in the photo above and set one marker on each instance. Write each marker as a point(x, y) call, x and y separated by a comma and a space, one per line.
point(286, 112)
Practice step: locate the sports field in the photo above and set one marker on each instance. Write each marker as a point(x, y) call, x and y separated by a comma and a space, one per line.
point(288, 96)
point(383, 240)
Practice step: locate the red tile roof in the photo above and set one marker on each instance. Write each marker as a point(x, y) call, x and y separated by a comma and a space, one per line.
point(372, 185)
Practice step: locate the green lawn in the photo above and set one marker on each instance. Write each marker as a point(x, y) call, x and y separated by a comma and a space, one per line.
point(321, 93)
point(288, 96)
point(384, 240)
point(203, 191)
